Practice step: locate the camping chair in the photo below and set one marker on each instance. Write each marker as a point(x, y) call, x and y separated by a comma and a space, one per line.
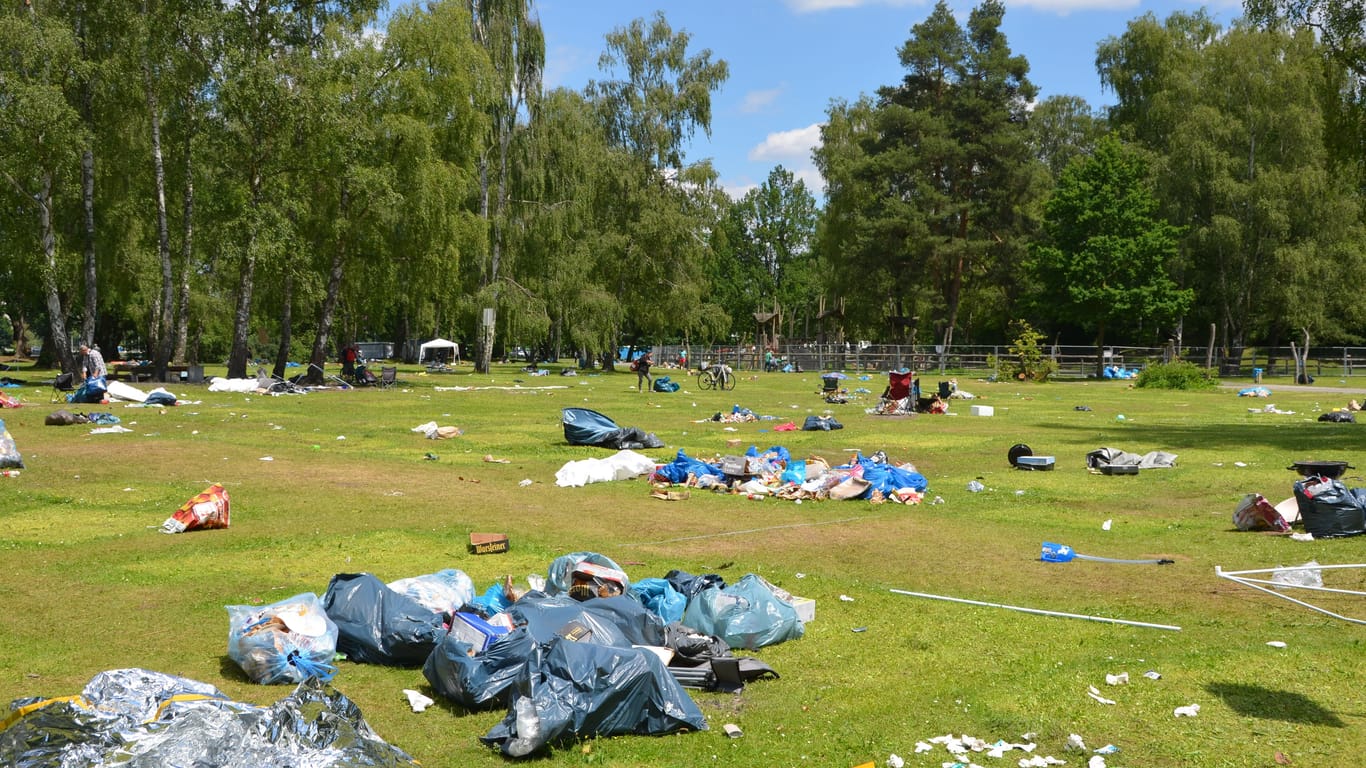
point(388, 376)
point(61, 385)
point(830, 385)
point(903, 390)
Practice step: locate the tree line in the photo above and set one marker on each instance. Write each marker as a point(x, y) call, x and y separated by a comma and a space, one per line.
point(265, 180)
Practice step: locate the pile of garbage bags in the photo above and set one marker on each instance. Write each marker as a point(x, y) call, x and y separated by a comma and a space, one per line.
point(775, 473)
point(583, 651)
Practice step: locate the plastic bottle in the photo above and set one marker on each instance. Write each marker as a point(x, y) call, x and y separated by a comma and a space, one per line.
point(10, 473)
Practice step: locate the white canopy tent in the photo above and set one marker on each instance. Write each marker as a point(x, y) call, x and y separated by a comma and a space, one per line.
point(436, 344)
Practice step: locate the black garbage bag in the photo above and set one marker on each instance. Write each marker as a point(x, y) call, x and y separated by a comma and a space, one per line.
point(377, 625)
point(582, 690)
point(583, 426)
point(1341, 417)
point(691, 586)
point(484, 680)
point(1328, 509)
point(821, 423)
point(620, 620)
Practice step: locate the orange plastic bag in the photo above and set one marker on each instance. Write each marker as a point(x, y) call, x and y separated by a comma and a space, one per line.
point(206, 510)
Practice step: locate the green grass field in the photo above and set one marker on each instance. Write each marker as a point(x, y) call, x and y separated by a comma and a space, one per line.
point(88, 583)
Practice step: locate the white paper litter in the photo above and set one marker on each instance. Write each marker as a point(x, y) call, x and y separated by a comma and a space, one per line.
point(1190, 710)
point(1120, 679)
point(1094, 693)
point(1275, 643)
point(114, 430)
point(416, 700)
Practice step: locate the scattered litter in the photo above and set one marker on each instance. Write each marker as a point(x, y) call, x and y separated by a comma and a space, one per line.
point(488, 459)
point(975, 487)
point(859, 629)
point(1190, 710)
point(1275, 643)
point(267, 458)
point(525, 482)
point(1121, 679)
point(109, 430)
point(1302, 536)
point(1074, 743)
point(1308, 575)
point(1105, 526)
point(1153, 674)
point(341, 437)
point(1019, 493)
point(430, 457)
point(938, 500)
point(1240, 463)
point(921, 746)
point(416, 700)
point(1096, 761)
point(732, 730)
point(846, 599)
point(1108, 749)
point(894, 761)
point(1094, 693)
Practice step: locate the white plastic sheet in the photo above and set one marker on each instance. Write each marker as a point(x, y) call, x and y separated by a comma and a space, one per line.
point(622, 465)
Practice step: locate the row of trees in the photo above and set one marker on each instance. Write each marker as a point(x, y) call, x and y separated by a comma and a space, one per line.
point(266, 178)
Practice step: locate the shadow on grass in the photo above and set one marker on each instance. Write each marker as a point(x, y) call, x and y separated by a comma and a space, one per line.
point(1255, 701)
point(1303, 438)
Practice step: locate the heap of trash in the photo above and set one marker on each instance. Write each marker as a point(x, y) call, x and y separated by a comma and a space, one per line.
point(775, 473)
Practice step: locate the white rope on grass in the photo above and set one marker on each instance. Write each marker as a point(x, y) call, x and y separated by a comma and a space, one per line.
point(1039, 611)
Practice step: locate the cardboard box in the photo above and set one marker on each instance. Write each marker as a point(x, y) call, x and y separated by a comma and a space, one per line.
point(982, 410)
point(806, 608)
point(472, 629)
point(1037, 463)
point(488, 543)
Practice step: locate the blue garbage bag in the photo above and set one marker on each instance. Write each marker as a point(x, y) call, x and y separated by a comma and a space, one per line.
point(661, 598)
point(684, 465)
point(887, 478)
point(747, 614)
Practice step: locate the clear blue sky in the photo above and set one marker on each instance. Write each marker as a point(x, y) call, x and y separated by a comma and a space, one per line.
point(789, 58)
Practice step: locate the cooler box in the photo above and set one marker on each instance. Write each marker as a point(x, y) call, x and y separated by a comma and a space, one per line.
point(1038, 463)
point(472, 629)
point(982, 410)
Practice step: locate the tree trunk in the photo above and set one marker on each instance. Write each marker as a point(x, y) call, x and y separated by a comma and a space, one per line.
point(241, 321)
point(91, 286)
point(160, 334)
point(287, 327)
point(318, 358)
point(1100, 350)
point(182, 324)
point(60, 343)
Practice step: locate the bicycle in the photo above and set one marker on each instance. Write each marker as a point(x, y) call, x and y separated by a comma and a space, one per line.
point(718, 376)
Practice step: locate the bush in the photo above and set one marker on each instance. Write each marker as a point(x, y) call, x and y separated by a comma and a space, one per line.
point(1179, 375)
point(1026, 361)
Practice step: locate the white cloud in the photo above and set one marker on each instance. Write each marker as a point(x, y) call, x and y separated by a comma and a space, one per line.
point(755, 101)
point(788, 145)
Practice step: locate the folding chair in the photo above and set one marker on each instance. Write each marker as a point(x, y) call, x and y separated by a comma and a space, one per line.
point(388, 376)
point(61, 385)
point(903, 390)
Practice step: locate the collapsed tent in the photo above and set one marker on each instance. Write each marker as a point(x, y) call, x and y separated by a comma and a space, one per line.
point(1113, 457)
point(586, 427)
point(139, 717)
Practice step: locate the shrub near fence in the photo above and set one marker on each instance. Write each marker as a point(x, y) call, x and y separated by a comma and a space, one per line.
point(976, 360)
